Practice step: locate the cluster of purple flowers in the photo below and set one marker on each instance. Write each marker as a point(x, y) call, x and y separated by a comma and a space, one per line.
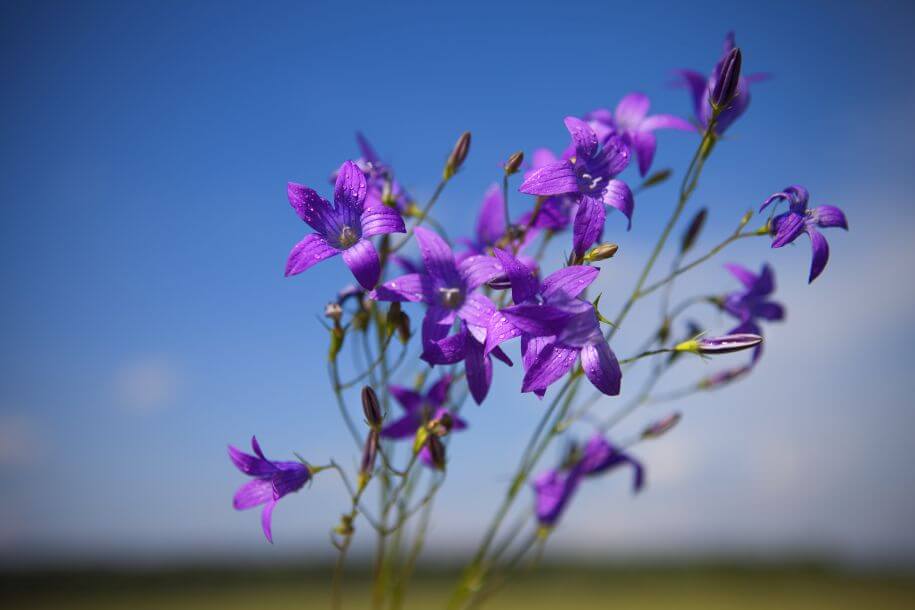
point(480, 292)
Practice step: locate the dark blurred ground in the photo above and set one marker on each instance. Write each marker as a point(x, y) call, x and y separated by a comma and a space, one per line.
point(709, 587)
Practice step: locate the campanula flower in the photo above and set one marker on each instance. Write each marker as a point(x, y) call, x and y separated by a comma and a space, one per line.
point(448, 288)
point(382, 187)
point(557, 328)
point(630, 120)
point(587, 174)
point(420, 409)
point(270, 482)
point(342, 228)
point(798, 219)
point(752, 303)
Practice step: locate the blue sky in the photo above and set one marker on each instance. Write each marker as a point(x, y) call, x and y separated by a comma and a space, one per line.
point(146, 321)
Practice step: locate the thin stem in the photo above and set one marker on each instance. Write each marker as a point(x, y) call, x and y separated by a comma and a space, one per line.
point(421, 216)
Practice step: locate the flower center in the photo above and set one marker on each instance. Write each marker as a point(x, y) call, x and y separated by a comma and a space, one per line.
point(348, 237)
point(451, 297)
point(589, 183)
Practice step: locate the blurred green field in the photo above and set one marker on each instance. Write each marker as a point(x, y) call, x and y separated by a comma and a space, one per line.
point(708, 588)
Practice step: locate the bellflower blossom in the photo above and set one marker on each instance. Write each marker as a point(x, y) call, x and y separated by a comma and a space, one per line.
point(490, 227)
point(556, 327)
point(271, 481)
point(752, 303)
point(587, 174)
point(448, 289)
point(344, 228)
point(798, 220)
point(630, 120)
point(380, 178)
point(419, 409)
point(700, 88)
point(555, 488)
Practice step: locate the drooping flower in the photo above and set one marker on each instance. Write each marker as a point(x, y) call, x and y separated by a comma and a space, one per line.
point(554, 488)
point(342, 228)
point(557, 328)
point(630, 120)
point(449, 289)
point(798, 219)
point(701, 87)
point(752, 303)
point(270, 482)
point(419, 410)
point(586, 174)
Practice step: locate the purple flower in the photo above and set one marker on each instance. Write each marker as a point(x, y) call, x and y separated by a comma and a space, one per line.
point(448, 289)
point(555, 488)
point(343, 228)
point(701, 87)
point(490, 227)
point(752, 303)
point(798, 219)
point(630, 120)
point(271, 481)
point(419, 409)
point(379, 177)
point(587, 174)
point(557, 328)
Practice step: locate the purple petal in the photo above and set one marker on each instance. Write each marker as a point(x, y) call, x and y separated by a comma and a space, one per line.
point(479, 269)
point(537, 320)
point(500, 330)
point(267, 520)
point(829, 216)
point(743, 275)
point(542, 157)
point(523, 280)
point(631, 110)
point(769, 311)
point(404, 427)
point(477, 310)
point(307, 253)
point(251, 465)
point(439, 349)
point(589, 222)
point(583, 137)
point(368, 153)
point(362, 259)
point(438, 393)
point(697, 85)
point(349, 189)
point(601, 367)
point(617, 153)
point(790, 226)
point(290, 478)
point(253, 493)
point(644, 144)
point(552, 363)
point(553, 179)
point(437, 255)
point(620, 197)
point(408, 399)
point(407, 287)
point(479, 371)
point(491, 221)
point(666, 121)
point(568, 281)
point(553, 491)
point(381, 220)
point(820, 253)
point(502, 356)
point(580, 328)
point(311, 207)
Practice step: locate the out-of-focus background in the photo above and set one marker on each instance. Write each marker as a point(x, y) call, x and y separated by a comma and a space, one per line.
point(146, 321)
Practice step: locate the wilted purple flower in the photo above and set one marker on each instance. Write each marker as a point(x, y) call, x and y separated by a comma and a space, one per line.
point(449, 290)
point(555, 488)
point(798, 219)
point(630, 120)
point(271, 481)
point(420, 409)
point(556, 327)
point(587, 174)
point(344, 228)
point(701, 87)
point(752, 303)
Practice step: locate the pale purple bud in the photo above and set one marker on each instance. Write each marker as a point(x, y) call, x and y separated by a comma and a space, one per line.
point(662, 426)
point(371, 408)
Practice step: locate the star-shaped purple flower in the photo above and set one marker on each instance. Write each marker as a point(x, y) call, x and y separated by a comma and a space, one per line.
point(556, 327)
point(448, 288)
point(587, 174)
point(343, 228)
point(379, 177)
point(271, 481)
point(630, 120)
point(798, 220)
point(752, 303)
point(419, 409)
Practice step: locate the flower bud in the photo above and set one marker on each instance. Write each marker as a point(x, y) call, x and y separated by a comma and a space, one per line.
point(436, 452)
point(722, 378)
point(720, 345)
point(457, 156)
point(657, 178)
point(514, 163)
point(601, 252)
point(662, 426)
point(369, 455)
point(334, 312)
point(371, 408)
point(693, 231)
point(337, 334)
point(403, 329)
point(725, 88)
point(441, 425)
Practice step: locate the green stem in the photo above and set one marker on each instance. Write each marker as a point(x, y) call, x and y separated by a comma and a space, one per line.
point(421, 216)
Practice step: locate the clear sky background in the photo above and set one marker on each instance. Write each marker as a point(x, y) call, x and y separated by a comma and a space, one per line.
point(144, 153)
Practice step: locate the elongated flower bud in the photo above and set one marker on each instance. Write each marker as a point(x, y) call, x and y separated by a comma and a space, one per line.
point(662, 426)
point(457, 156)
point(720, 345)
point(436, 452)
point(601, 252)
point(514, 163)
point(369, 455)
point(693, 231)
point(657, 178)
point(722, 378)
point(371, 408)
point(725, 88)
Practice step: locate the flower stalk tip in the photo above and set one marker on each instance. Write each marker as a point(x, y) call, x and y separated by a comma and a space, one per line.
point(457, 156)
point(514, 163)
